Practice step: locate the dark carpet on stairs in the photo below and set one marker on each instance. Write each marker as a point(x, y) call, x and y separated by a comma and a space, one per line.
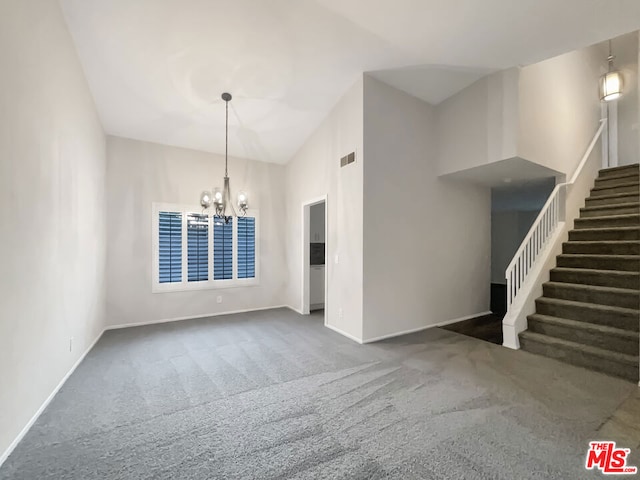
point(274, 395)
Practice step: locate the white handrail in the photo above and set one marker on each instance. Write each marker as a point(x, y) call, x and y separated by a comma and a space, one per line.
point(543, 227)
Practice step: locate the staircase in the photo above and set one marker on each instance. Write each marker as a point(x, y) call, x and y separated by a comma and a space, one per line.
point(589, 314)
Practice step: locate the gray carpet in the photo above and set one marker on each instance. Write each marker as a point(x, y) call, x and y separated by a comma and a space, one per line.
point(274, 395)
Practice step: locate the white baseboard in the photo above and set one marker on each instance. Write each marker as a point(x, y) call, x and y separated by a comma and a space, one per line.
point(192, 317)
point(345, 334)
point(29, 424)
point(419, 329)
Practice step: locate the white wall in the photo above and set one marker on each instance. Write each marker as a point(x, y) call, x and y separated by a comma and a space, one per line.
point(560, 108)
point(478, 125)
point(313, 172)
point(52, 210)
point(140, 173)
point(625, 49)
point(426, 241)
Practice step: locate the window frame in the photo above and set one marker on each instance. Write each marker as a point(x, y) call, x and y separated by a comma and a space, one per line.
point(184, 284)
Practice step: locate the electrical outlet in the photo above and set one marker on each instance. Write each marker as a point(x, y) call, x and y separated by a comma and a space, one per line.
point(219, 299)
point(71, 344)
point(337, 259)
point(340, 313)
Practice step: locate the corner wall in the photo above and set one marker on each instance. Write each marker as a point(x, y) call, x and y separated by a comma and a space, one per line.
point(427, 242)
point(141, 173)
point(52, 211)
point(478, 125)
point(626, 48)
point(560, 108)
point(313, 172)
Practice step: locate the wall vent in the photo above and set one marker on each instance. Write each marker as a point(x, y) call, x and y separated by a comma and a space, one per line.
point(347, 159)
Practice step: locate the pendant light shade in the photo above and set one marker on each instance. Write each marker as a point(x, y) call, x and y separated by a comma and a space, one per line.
point(611, 83)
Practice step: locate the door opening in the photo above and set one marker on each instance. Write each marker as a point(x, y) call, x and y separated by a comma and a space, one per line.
point(314, 281)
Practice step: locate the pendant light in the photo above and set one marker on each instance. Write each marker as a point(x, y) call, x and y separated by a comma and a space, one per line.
point(611, 83)
point(221, 199)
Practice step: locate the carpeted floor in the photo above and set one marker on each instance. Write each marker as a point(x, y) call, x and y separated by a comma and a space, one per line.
point(274, 395)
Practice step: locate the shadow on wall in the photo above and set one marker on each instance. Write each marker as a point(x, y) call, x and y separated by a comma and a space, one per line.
point(514, 208)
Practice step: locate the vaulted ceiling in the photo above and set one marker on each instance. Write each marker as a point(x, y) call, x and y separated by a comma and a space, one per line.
point(157, 67)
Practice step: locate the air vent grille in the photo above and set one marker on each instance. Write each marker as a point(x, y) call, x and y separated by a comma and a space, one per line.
point(348, 159)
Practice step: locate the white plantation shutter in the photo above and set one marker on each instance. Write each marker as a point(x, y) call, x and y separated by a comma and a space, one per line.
point(222, 249)
point(197, 248)
point(246, 247)
point(170, 247)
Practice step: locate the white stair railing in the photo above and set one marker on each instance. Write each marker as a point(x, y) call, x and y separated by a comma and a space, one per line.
point(543, 228)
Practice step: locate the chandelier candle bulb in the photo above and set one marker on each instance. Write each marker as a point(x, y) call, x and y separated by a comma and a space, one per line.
point(243, 202)
point(205, 199)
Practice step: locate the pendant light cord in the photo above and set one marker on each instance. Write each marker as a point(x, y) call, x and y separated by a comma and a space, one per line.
point(226, 141)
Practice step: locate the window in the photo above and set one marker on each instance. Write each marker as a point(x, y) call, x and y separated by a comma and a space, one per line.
point(194, 251)
point(223, 249)
point(170, 247)
point(246, 247)
point(197, 247)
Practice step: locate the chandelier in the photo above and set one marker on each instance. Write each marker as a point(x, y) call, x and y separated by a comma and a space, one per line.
point(221, 199)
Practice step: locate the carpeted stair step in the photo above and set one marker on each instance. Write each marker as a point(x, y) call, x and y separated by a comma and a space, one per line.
point(593, 358)
point(615, 297)
point(628, 187)
point(601, 336)
point(616, 199)
point(615, 180)
point(604, 278)
point(610, 247)
point(625, 220)
point(616, 171)
point(606, 210)
point(597, 234)
point(628, 263)
point(617, 317)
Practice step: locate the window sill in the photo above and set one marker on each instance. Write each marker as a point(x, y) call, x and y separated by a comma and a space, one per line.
point(204, 285)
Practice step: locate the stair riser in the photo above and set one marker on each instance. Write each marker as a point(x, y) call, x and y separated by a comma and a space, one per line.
point(598, 202)
point(600, 263)
point(626, 170)
point(609, 211)
point(624, 300)
point(595, 339)
point(603, 280)
point(631, 221)
point(586, 236)
point(602, 248)
point(614, 182)
point(571, 312)
point(582, 359)
point(614, 190)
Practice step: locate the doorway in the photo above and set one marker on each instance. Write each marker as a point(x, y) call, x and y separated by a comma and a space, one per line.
point(314, 248)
